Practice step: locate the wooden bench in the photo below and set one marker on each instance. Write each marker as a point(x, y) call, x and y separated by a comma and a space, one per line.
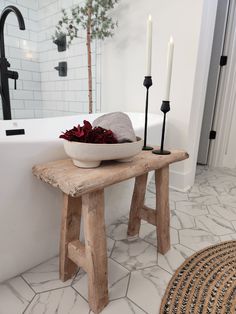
point(83, 191)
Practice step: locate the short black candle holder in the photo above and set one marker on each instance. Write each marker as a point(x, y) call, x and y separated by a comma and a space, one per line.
point(165, 107)
point(147, 83)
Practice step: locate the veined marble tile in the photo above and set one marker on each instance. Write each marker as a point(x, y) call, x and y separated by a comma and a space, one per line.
point(45, 276)
point(178, 196)
point(234, 224)
point(117, 231)
point(151, 186)
point(194, 191)
point(110, 245)
point(150, 192)
point(210, 190)
point(181, 220)
point(228, 237)
point(148, 233)
point(174, 257)
point(215, 225)
point(197, 239)
point(224, 184)
point(201, 170)
point(122, 306)
point(134, 254)
point(232, 191)
point(223, 211)
point(226, 171)
point(228, 200)
point(60, 301)
point(205, 200)
point(174, 236)
point(118, 278)
point(191, 208)
point(147, 288)
point(15, 295)
point(151, 202)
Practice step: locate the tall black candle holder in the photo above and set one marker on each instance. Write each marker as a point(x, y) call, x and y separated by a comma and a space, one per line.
point(147, 83)
point(165, 107)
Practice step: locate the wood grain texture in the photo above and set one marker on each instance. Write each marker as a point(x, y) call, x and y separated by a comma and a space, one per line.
point(163, 211)
point(70, 231)
point(137, 204)
point(76, 252)
point(148, 214)
point(76, 181)
point(95, 249)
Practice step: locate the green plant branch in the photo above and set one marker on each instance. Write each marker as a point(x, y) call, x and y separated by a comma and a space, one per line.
point(93, 17)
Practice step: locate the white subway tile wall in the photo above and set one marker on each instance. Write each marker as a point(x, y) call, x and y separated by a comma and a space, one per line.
point(40, 91)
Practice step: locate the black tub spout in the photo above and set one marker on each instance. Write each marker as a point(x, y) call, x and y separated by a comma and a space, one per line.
point(5, 74)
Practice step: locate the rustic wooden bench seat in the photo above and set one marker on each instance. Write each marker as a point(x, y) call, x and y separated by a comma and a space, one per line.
point(83, 191)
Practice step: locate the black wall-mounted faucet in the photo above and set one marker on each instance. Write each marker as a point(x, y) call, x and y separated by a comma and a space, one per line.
point(62, 68)
point(5, 74)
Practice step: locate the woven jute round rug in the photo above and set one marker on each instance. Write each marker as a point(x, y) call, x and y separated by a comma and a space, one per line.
point(204, 283)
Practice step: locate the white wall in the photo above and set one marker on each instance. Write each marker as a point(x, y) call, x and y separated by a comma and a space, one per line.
point(123, 68)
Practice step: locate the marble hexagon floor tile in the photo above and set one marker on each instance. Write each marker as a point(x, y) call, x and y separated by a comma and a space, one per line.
point(191, 208)
point(135, 254)
point(117, 231)
point(148, 233)
point(228, 237)
point(150, 201)
point(205, 200)
point(181, 220)
point(215, 225)
point(197, 239)
point(110, 245)
point(147, 288)
point(122, 306)
point(60, 301)
point(174, 257)
point(45, 276)
point(15, 296)
point(223, 211)
point(118, 278)
point(178, 196)
point(228, 200)
point(234, 224)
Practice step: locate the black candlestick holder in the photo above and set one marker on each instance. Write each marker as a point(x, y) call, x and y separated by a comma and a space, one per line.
point(147, 83)
point(165, 107)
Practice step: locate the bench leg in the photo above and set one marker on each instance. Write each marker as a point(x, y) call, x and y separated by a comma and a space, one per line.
point(95, 249)
point(137, 204)
point(70, 231)
point(163, 211)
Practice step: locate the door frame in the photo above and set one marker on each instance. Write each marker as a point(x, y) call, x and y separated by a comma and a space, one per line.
point(214, 77)
point(224, 110)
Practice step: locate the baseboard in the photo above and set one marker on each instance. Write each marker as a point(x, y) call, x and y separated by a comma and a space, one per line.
point(180, 181)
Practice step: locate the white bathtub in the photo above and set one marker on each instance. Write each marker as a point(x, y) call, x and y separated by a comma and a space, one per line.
point(30, 209)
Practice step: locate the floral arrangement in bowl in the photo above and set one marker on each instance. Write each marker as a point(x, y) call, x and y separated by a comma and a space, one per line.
point(88, 134)
point(88, 146)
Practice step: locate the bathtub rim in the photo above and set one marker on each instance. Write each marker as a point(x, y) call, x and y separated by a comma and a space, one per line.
point(28, 138)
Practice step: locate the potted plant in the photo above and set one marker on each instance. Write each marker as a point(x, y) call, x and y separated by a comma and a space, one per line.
point(93, 17)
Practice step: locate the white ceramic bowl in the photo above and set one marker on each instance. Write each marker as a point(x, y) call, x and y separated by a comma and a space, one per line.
point(88, 155)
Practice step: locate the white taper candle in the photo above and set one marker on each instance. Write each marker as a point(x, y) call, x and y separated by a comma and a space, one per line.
point(149, 47)
point(170, 55)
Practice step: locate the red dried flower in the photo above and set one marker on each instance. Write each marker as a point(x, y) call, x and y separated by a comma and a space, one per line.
point(88, 134)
